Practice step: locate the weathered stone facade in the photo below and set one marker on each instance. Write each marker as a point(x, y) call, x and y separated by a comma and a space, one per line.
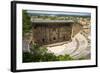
point(52, 31)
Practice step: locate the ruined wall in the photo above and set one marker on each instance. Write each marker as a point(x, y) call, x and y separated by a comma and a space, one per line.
point(45, 34)
point(76, 28)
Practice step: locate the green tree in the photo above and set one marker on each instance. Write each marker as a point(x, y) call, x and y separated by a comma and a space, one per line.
point(40, 54)
point(65, 57)
point(27, 57)
point(26, 22)
point(49, 57)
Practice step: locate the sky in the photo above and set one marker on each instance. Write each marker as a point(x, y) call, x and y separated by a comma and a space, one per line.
point(57, 13)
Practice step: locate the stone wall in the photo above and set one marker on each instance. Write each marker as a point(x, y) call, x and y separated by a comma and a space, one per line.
point(51, 33)
point(77, 27)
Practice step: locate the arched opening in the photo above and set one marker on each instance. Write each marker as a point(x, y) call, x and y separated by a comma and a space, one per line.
point(43, 40)
point(64, 37)
point(54, 38)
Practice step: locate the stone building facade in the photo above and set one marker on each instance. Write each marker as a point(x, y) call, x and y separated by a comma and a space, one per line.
point(52, 31)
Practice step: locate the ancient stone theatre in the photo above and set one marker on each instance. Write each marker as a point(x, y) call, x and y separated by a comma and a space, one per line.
point(51, 31)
